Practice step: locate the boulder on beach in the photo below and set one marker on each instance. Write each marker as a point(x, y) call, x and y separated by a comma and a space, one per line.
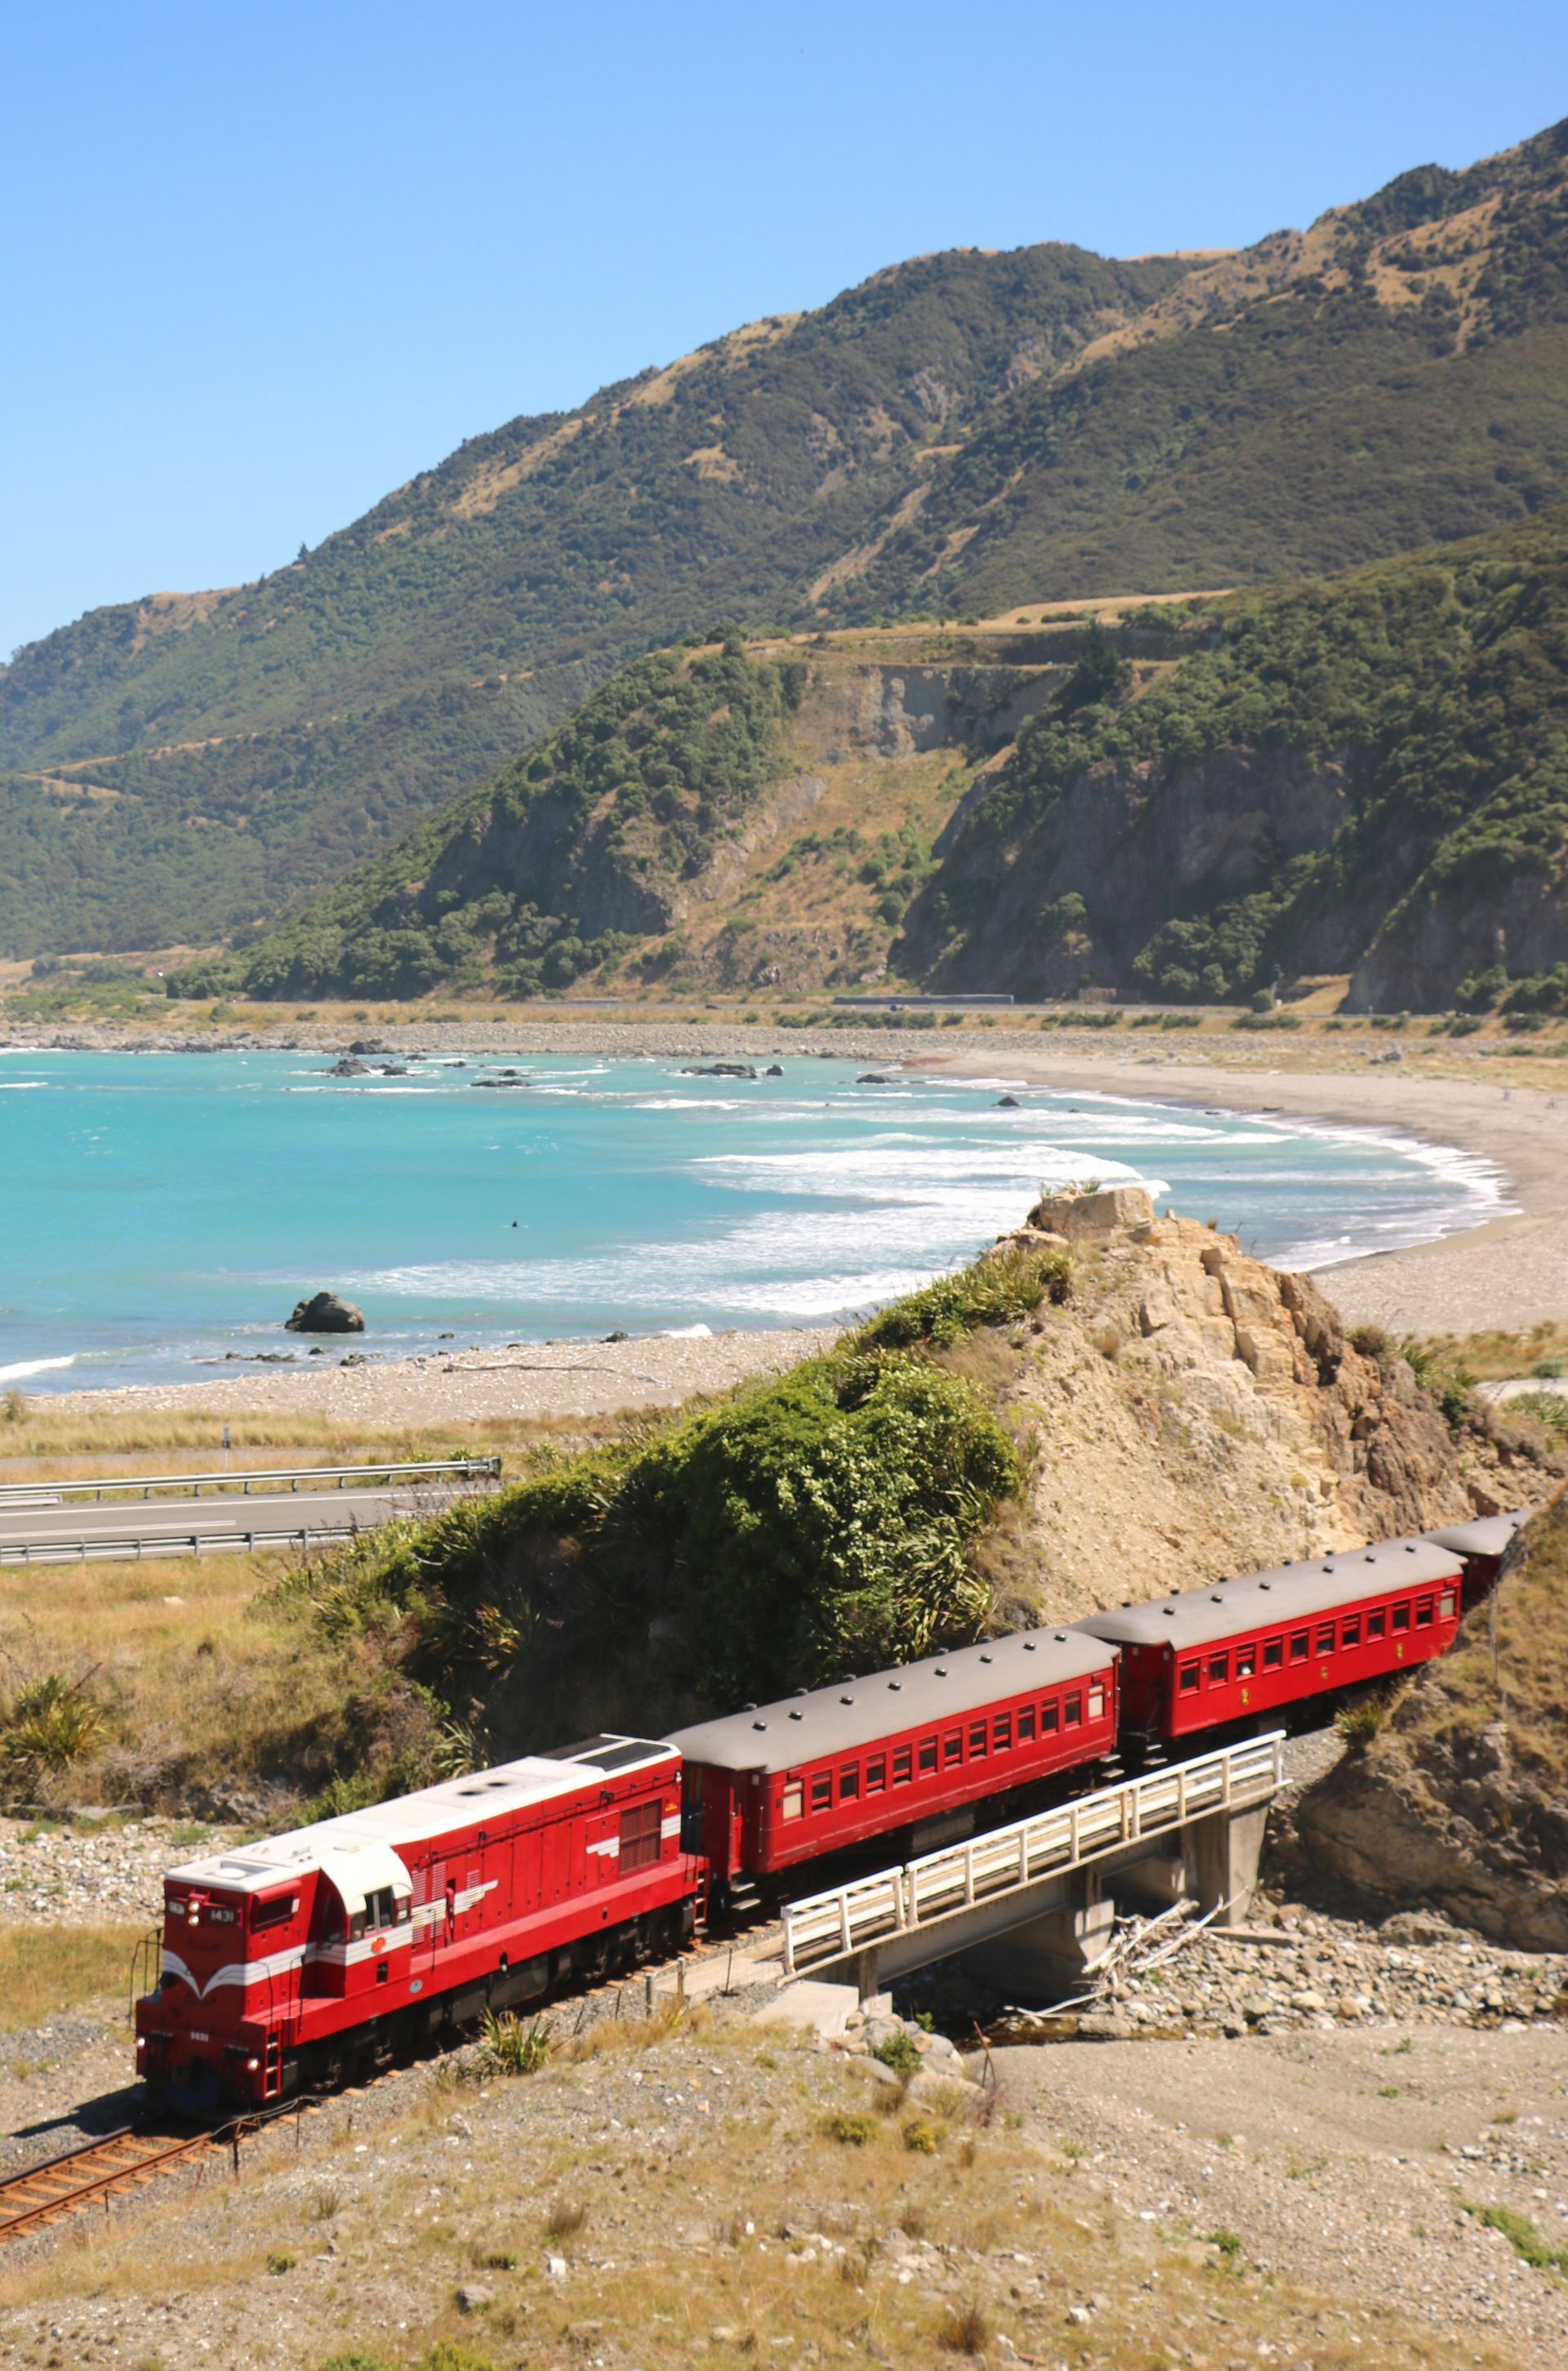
point(325, 1313)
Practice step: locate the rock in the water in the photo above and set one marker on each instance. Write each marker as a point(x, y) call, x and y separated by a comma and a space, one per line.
point(719, 1070)
point(774, 1071)
point(872, 1079)
point(1008, 1103)
point(346, 1067)
point(325, 1313)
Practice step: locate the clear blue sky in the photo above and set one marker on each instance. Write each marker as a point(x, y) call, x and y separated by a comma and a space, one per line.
point(263, 261)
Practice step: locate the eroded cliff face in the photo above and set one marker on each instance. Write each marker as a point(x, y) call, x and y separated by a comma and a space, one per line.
point(1198, 1414)
point(1459, 1798)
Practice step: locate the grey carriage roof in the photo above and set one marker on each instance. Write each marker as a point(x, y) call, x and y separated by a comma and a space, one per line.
point(1290, 1592)
point(1488, 1536)
point(858, 1712)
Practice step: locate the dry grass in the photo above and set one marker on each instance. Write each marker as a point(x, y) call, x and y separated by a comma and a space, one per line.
point(45, 1969)
point(40, 1442)
point(1499, 1357)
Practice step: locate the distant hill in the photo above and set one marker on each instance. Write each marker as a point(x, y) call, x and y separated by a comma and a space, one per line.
point(1362, 774)
point(961, 434)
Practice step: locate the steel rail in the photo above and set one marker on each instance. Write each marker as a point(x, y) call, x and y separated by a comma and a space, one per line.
point(139, 1547)
point(32, 1494)
point(66, 2192)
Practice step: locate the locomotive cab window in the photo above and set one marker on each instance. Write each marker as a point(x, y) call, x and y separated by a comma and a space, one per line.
point(1350, 1631)
point(900, 1765)
point(1026, 1724)
point(641, 1841)
point(822, 1790)
point(1273, 1654)
point(876, 1774)
point(1219, 1671)
point(792, 1801)
point(849, 1782)
point(276, 1912)
point(1401, 1617)
point(1073, 1710)
point(1246, 1661)
point(1188, 1679)
point(1376, 1624)
point(381, 1908)
point(1300, 1646)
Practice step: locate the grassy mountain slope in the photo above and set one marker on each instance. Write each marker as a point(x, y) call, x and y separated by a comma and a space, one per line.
point(961, 433)
point(1365, 774)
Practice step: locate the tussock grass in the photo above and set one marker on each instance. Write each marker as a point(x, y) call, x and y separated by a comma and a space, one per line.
point(45, 1969)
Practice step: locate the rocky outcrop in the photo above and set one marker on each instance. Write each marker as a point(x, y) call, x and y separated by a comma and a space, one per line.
point(1458, 1799)
point(1196, 1414)
point(325, 1313)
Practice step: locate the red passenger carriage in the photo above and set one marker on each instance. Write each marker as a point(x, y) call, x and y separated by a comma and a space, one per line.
point(1481, 1546)
point(1244, 1650)
point(905, 1753)
point(289, 1963)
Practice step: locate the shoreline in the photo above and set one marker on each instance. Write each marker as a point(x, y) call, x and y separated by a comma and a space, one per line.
point(1508, 1273)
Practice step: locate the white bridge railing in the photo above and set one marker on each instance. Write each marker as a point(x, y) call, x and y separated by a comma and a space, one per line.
point(942, 1885)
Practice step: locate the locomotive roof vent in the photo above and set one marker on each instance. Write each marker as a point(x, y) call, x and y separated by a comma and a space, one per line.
point(799, 1691)
point(1410, 1548)
point(1262, 1584)
point(895, 1685)
point(1217, 1598)
point(748, 1707)
point(1061, 1637)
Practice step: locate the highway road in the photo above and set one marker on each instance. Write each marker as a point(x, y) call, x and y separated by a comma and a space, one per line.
point(172, 1520)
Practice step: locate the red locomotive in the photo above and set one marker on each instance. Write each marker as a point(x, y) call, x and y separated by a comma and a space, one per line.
point(293, 1962)
point(1212, 1658)
point(907, 1754)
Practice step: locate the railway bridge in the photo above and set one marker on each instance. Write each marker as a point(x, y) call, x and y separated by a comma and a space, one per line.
point(1032, 1905)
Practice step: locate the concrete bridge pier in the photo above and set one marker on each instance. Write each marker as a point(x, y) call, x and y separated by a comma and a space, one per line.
point(1055, 1950)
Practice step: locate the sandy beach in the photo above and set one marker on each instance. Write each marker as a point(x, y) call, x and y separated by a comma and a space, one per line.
point(1510, 1273)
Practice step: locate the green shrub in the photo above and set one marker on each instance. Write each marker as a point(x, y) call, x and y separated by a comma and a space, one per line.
point(856, 2130)
point(507, 2046)
point(901, 2053)
point(996, 1291)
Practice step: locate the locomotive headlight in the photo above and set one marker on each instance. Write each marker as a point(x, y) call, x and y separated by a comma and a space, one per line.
point(141, 2041)
point(253, 2063)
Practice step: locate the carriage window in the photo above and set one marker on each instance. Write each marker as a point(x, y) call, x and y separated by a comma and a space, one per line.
point(1423, 1613)
point(1050, 1717)
point(952, 1748)
point(1273, 1654)
point(1350, 1631)
point(1001, 1732)
point(275, 1912)
point(792, 1802)
point(1219, 1671)
point(1446, 1607)
point(1325, 1638)
point(876, 1774)
point(900, 1765)
point(1073, 1710)
point(641, 1841)
point(1401, 1617)
point(1300, 1641)
point(976, 1741)
point(1189, 1679)
point(1246, 1661)
point(1026, 1724)
point(1095, 1704)
point(822, 1789)
point(849, 1782)
point(1376, 1624)
point(927, 1756)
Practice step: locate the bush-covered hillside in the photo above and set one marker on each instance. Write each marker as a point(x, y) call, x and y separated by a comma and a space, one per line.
point(573, 851)
point(961, 433)
point(1367, 774)
point(820, 1524)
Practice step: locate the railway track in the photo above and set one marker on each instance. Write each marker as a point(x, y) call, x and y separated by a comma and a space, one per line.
point(91, 2176)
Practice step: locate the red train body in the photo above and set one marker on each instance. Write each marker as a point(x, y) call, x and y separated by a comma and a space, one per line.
point(293, 1962)
point(287, 1963)
point(910, 1751)
point(1245, 1649)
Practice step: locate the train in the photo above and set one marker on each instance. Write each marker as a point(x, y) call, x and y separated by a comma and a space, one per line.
point(305, 1959)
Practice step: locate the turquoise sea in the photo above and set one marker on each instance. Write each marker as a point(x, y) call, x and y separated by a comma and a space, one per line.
point(158, 1211)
